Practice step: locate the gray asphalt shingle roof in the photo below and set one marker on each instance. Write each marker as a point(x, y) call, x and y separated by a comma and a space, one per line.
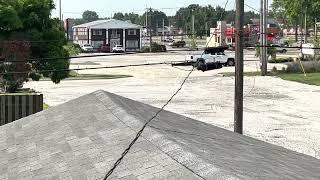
point(82, 139)
point(109, 24)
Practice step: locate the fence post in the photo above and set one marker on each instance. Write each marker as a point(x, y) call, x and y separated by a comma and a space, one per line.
point(3, 110)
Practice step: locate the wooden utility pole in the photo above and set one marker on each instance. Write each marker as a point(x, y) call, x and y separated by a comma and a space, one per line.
point(264, 38)
point(238, 102)
point(301, 24)
point(261, 35)
point(305, 26)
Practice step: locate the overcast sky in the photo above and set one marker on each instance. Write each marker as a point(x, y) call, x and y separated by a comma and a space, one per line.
point(105, 8)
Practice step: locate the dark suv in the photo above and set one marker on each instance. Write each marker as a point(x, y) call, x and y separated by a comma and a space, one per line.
point(179, 44)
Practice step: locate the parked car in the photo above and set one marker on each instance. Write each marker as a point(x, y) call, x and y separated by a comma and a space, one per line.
point(213, 58)
point(168, 40)
point(105, 48)
point(118, 49)
point(87, 48)
point(179, 44)
point(280, 47)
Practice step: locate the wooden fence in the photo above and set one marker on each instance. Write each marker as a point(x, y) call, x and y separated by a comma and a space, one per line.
point(14, 107)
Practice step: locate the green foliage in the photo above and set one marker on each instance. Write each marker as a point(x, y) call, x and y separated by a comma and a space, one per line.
point(271, 51)
point(72, 49)
point(281, 60)
point(311, 78)
point(30, 20)
point(290, 11)
point(132, 17)
point(309, 67)
point(89, 16)
point(145, 49)
point(155, 47)
point(182, 18)
point(193, 42)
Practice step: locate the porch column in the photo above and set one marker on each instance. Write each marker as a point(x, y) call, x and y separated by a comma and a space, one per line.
point(124, 40)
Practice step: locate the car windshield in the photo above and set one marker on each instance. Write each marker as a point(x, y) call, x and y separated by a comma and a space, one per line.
point(118, 45)
point(86, 45)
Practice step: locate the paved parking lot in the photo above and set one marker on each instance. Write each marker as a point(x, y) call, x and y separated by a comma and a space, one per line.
point(277, 111)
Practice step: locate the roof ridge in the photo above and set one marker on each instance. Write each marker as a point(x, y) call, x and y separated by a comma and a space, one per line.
point(158, 134)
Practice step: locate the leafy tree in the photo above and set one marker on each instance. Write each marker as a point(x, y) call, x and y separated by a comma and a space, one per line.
point(290, 11)
point(155, 19)
point(119, 16)
point(29, 20)
point(90, 16)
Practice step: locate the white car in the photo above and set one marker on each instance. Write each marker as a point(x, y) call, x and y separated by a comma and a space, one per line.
point(168, 40)
point(87, 48)
point(212, 58)
point(118, 49)
point(280, 48)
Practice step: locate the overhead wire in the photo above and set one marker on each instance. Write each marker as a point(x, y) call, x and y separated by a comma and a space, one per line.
point(138, 135)
point(88, 68)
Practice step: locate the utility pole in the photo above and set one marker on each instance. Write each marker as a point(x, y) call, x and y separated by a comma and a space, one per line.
point(60, 10)
point(264, 38)
point(261, 35)
point(192, 23)
point(238, 102)
point(206, 29)
point(150, 24)
point(163, 35)
point(305, 26)
point(301, 25)
point(316, 28)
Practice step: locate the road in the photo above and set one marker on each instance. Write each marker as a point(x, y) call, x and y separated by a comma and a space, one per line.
point(277, 111)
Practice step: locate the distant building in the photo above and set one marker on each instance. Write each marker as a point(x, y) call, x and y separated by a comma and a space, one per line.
point(169, 31)
point(224, 35)
point(112, 32)
point(68, 29)
point(218, 35)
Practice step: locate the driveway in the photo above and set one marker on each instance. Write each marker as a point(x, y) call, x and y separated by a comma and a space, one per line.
point(277, 111)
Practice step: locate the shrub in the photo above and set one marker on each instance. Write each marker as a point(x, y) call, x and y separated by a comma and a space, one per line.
point(155, 47)
point(145, 49)
point(281, 60)
point(72, 48)
point(13, 58)
point(309, 67)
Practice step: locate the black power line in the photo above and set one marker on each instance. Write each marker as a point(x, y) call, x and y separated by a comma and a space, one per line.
point(125, 152)
point(81, 69)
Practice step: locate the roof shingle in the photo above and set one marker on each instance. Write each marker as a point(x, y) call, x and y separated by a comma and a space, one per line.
point(83, 138)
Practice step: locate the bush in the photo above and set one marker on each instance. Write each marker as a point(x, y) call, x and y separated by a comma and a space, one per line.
point(155, 47)
point(309, 67)
point(72, 48)
point(281, 60)
point(145, 49)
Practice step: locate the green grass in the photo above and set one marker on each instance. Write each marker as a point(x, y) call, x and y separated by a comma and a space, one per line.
point(311, 78)
point(45, 106)
point(92, 77)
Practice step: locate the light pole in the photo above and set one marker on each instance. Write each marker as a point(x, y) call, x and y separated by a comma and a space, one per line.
point(60, 10)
